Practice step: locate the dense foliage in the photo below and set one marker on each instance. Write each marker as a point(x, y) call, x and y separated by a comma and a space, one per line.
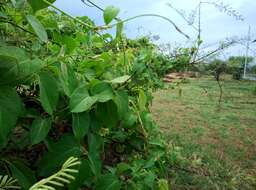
point(68, 90)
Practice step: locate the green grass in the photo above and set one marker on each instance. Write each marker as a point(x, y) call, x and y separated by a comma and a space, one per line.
point(222, 136)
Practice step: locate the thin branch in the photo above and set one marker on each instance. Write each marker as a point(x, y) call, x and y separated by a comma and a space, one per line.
point(92, 4)
point(183, 16)
point(143, 15)
point(68, 15)
point(17, 26)
point(146, 15)
point(98, 7)
point(86, 3)
point(212, 52)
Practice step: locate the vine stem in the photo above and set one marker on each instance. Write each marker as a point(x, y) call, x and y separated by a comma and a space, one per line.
point(68, 15)
point(145, 15)
point(140, 120)
point(213, 52)
point(71, 17)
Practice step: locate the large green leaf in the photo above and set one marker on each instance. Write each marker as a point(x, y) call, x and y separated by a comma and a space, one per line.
point(29, 67)
point(13, 72)
point(110, 13)
point(129, 119)
point(95, 142)
point(70, 43)
point(81, 101)
point(37, 27)
point(24, 175)
point(10, 108)
point(102, 91)
point(39, 129)
point(107, 114)
point(39, 4)
point(8, 69)
point(49, 94)
point(108, 182)
point(122, 101)
point(58, 153)
point(68, 79)
point(80, 124)
point(17, 53)
point(15, 65)
point(9, 59)
point(83, 177)
point(142, 100)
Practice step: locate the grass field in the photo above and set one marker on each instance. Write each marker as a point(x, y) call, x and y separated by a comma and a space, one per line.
point(219, 139)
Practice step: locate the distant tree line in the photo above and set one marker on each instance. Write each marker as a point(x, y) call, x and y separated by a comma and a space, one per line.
point(234, 66)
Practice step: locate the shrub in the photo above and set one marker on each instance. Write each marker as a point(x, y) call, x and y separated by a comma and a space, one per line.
point(237, 73)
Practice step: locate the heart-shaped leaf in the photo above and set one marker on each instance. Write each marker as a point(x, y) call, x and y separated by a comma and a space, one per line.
point(81, 101)
point(110, 13)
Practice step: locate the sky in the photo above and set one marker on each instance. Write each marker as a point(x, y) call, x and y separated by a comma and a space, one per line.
point(216, 25)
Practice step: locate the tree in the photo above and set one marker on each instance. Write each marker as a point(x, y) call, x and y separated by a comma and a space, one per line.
point(217, 67)
point(253, 69)
point(236, 65)
point(238, 61)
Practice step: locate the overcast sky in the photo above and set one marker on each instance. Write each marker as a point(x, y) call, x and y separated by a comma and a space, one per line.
point(216, 25)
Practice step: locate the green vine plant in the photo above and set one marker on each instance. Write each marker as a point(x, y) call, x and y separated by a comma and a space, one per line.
point(59, 179)
point(8, 183)
point(68, 90)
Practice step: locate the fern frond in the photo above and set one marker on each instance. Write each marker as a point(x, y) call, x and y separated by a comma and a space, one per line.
point(7, 182)
point(62, 177)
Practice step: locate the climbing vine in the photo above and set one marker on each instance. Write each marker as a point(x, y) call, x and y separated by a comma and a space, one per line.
point(68, 89)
